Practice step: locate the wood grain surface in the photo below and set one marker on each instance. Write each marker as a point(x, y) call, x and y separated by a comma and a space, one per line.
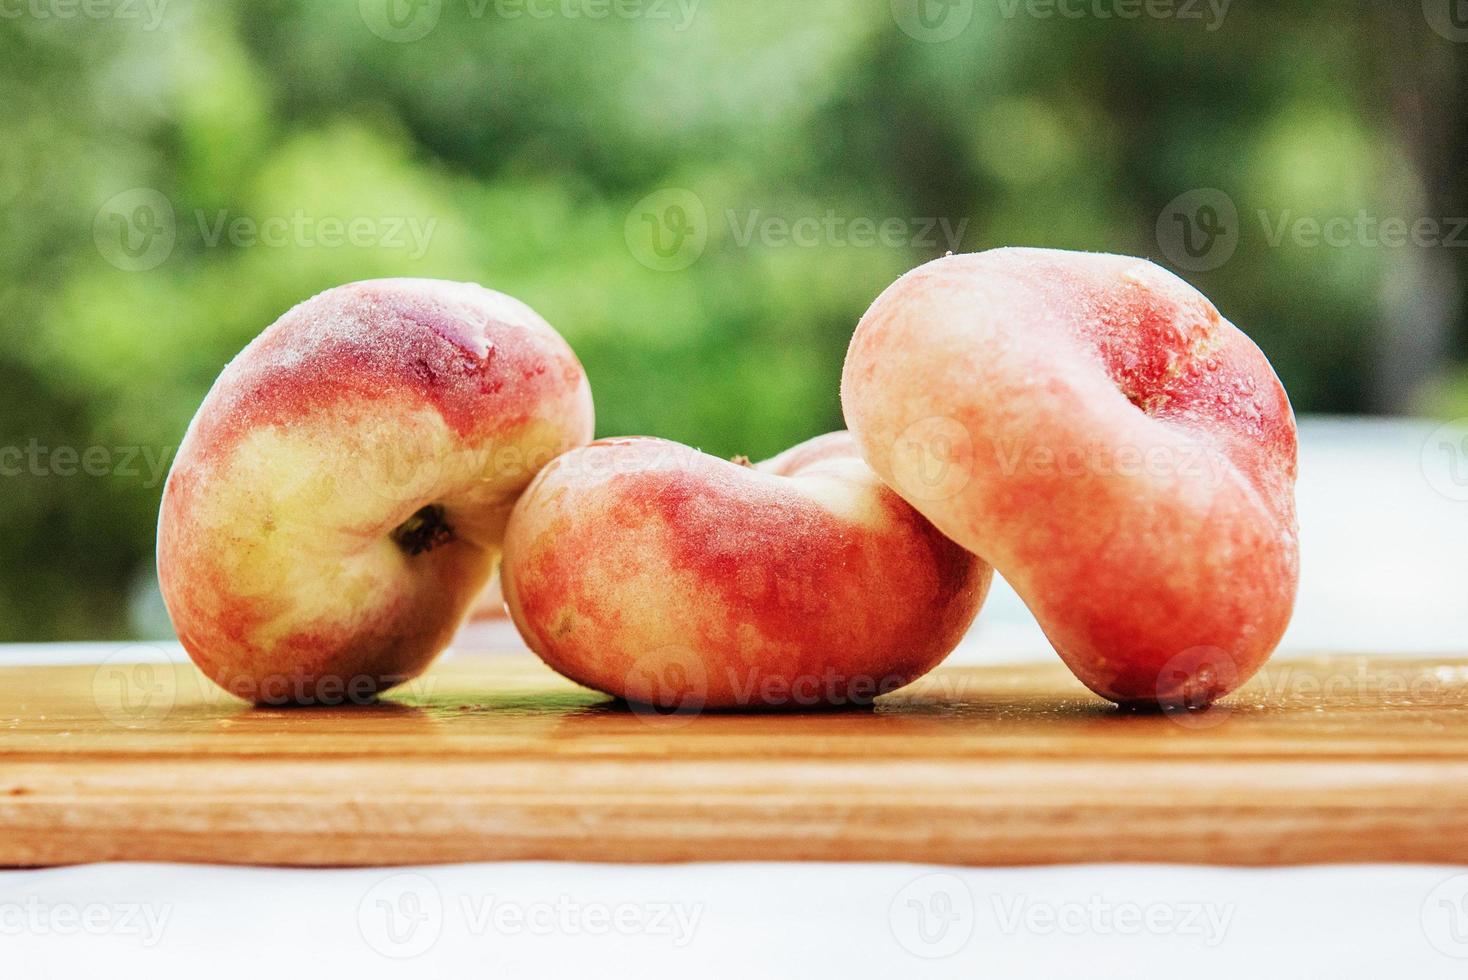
point(494, 757)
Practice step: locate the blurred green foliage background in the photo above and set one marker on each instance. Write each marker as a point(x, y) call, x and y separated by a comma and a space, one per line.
point(701, 195)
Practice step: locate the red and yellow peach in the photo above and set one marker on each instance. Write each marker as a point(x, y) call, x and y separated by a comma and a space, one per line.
point(1121, 453)
point(340, 497)
point(669, 577)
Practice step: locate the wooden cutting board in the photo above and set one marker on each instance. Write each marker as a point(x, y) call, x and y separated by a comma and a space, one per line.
point(494, 757)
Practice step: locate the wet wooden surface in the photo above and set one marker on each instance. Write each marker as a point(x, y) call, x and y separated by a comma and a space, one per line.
point(494, 757)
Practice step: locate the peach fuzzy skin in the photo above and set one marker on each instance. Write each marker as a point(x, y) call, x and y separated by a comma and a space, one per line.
point(663, 575)
point(1122, 454)
point(340, 498)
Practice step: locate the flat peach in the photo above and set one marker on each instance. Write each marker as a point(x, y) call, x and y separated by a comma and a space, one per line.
point(1123, 455)
point(669, 577)
point(339, 499)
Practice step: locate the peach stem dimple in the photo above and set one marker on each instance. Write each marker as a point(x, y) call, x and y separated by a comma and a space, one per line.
point(424, 531)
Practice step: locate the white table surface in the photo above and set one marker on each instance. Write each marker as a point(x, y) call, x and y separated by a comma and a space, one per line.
point(724, 920)
point(1384, 531)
